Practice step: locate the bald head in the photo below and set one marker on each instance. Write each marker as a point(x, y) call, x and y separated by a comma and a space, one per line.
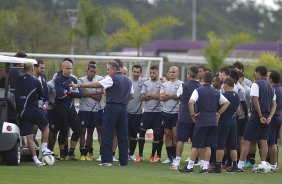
point(67, 68)
point(173, 73)
point(28, 68)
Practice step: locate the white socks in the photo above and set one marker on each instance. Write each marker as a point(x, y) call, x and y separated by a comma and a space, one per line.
point(205, 164)
point(36, 160)
point(190, 164)
point(44, 146)
point(240, 164)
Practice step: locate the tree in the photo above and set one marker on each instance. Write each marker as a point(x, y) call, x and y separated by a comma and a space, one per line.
point(8, 20)
point(270, 60)
point(216, 51)
point(134, 33)
point(92, 21)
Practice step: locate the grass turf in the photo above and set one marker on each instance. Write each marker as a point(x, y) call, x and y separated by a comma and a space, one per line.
point(81, 172)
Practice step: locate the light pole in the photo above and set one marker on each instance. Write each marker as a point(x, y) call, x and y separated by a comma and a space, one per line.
point(73, 15)
point(194, 20)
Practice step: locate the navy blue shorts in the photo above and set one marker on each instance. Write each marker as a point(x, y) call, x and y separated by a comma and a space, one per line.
point(274, 130)
point(169, 120)
point(26, 123)
point(90, 119)
point(255, 130)
point(184, 131)
point(152, 120)
point(204, 137)
point(134, 121)
point(227, 137)
point(51, 119)
point(241, 125)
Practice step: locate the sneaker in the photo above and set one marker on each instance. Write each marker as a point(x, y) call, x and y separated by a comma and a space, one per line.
point(152, 159)
point(185, 170)
point(99, 158)
point(214, 170)
point(167, 161)
point(132, 158)
point(106, 164)
point(231, 170)
point(204, 171)
point(72, 157)
point(90, 155)
point(82, 158)
point(274, 169)
point(139, 158)
point(175, 167)
point(115, 159)
point(157, 159)
point(39, 164)
point(210, 167)
point(47, 152)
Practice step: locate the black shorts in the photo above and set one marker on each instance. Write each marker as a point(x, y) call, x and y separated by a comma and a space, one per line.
point(169, 120)
point(152, 120)
point(51, 119)
point(134, 121)
point(274, 131)
point(90, 119)
point(227, 137)
point(184, 131)
point(255, 130)
point(26, 123)
point(241, 125)
point(205, 137)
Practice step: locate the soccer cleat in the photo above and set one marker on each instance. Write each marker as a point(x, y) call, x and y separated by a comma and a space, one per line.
point(115, 159)
point(204, 171)
point(167, 161)
point(231, 170)
point(139, 159)
point(39, 164)
point(152, 159)
point(72, 157)
point(247, 164)
point(210, 167)
point(90, 155)
point(47, 152)
point(131, 158)
point(157, 159)
point(99, 158)
point(186, 170)
point(88, 158)
point(82, 158)
point(238, 170)
point(64, 158)
point(174, 167)
point(106, 164)
point(214, 170)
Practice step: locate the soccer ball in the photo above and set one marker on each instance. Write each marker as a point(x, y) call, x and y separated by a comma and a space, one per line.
point(264, 167)
point(48, 159)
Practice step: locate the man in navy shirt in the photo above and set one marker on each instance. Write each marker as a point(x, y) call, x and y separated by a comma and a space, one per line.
point(275, 124)
point(262, 111)
point(227, 134)
point(28, 91)
point(118, 89)
point(185, 125)
point(65, 113)
point(205, 132)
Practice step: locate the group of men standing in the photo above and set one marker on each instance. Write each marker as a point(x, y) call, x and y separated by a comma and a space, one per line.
point(212, 117)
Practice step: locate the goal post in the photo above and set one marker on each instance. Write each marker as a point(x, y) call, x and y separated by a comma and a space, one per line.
point(129, 61)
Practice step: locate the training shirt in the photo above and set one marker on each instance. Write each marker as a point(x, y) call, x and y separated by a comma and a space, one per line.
point(88, 103)
point(171, 106)
point(135, 105)
point(153, 88)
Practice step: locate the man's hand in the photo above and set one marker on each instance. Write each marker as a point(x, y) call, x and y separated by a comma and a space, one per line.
point(75, 86)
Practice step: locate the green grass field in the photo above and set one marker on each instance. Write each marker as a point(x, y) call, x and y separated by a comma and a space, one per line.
point(80, 172)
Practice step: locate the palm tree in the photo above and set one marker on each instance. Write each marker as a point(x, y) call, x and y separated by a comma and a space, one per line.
point(134, 33)
point(92, 21)
point(216, 51)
